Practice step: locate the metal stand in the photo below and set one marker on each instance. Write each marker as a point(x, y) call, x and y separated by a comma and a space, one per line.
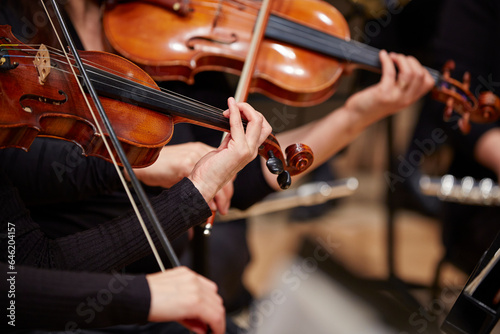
point(394, 284)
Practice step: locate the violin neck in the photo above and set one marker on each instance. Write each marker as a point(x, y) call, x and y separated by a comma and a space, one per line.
point(353, 52)
point(168, 103)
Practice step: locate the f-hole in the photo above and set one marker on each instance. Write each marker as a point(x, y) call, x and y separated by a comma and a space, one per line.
point(42, 99)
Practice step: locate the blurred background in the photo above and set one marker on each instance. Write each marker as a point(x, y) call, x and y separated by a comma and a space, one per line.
point(381, 235)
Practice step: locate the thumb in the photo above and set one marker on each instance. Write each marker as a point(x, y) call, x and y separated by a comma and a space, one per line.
point(212, 205)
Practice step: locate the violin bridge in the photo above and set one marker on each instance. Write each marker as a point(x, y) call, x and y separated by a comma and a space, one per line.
point(42, 64)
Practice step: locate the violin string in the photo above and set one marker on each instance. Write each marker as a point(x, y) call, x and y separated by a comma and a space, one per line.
point(184, 104)
point(120, 174)
point(205, 107)
point(255, 7)
point(252, 16)
point(366, 50)
point(321, 38)
point(217, 112)
point(161, 94)
point(187, 104)
point(201, 109)
point(168, 100)
point(187, 100)
point(251, 5)
point(210, 8)
point(55, 51)
point(189, 107)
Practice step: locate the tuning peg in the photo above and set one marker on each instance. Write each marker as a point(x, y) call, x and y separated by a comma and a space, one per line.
point(466, 80)
point(447, 68)
point(448, 110)
point(490, 106)
point(284, 180)
point(464, 123)
point(274, 165)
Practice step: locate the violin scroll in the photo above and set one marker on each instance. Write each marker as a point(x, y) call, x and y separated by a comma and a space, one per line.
point(457, 96)
point(299, 157)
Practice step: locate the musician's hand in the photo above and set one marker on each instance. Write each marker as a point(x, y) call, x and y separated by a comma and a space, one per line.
point(180, 295)
point(395, 91)
point(238, 148)
point(174, 163)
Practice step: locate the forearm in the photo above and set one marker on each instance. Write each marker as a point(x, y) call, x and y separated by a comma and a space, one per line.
point(113, 245)
point(392, 94)
point(487, 150)
point(63, 300)
point(108, 246)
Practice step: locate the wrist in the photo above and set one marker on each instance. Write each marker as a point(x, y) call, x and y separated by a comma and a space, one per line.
point(207, 191)
point(352, 119)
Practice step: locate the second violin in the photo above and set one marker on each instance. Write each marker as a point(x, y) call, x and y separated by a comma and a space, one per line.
point(216, 35)
point(306, 49)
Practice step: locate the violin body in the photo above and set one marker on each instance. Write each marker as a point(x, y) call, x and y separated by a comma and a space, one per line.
point(215, 36)
point(56, 109)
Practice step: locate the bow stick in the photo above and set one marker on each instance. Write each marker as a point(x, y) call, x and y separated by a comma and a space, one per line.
point(243, 87)
point(120, 152)
point(117, 146)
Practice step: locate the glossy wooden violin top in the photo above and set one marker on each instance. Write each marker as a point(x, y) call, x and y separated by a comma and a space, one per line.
point(305, 51)
point(216, 35)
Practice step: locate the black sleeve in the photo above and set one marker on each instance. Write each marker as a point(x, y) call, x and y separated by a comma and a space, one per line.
point(250, 186)
point(62, 174)
point(62, 300)
point(108, 246)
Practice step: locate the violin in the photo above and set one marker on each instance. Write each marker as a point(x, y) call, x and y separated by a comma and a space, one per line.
point(305, 50)
point(40, 97)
